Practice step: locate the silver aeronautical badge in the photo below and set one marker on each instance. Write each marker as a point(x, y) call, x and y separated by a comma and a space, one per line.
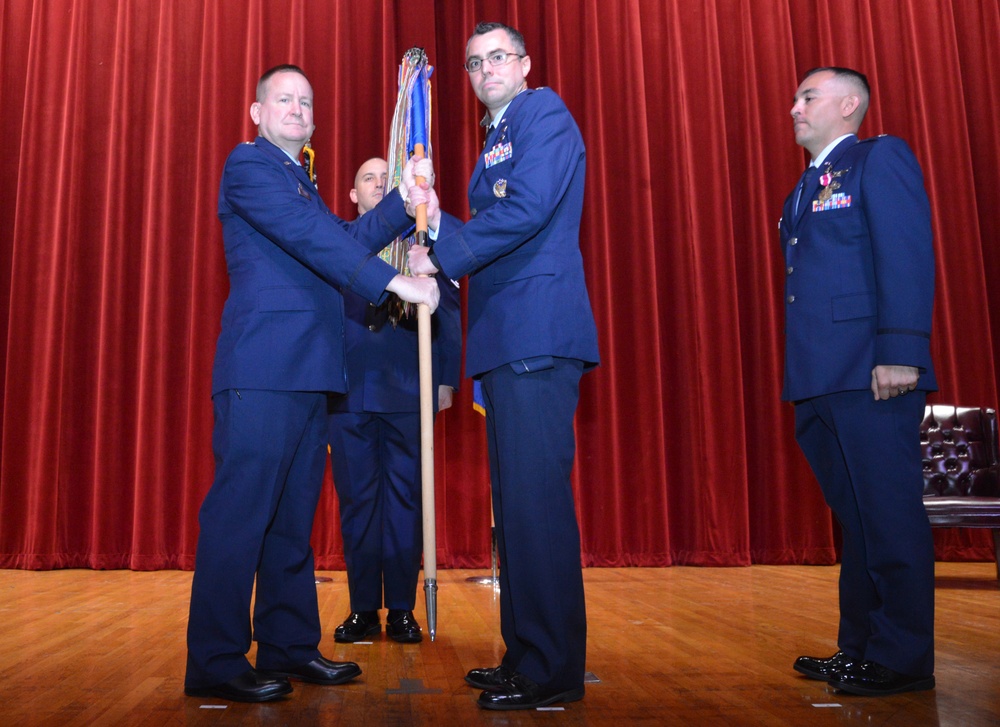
point(500, 188)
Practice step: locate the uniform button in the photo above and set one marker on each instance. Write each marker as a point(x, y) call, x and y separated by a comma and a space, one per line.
point(791, 299)
point(793, 241)
point(371, 328)
point(473, 211)
point(790, 270)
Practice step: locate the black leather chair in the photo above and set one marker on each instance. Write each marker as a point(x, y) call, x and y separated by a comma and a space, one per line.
point(961, 457)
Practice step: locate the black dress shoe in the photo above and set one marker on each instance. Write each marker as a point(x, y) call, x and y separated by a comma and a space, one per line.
point(489, 678)
point(402, 627)
point(250, 686)
point(519, 692)
point(318, 671)
point(822, 669)
point(359, 625)
point(874, 680)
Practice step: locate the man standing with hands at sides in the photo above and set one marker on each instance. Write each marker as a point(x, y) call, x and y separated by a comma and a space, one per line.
point(375, 442)
point(859, 290)
point(278, 357)
point(531, 335)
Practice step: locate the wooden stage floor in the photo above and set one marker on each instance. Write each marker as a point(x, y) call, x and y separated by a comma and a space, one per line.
point(685, 646)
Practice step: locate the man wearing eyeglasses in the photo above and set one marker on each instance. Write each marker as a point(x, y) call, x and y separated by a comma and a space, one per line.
point(531, 335)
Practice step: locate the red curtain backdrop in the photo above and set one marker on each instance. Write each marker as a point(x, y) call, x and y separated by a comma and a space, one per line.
point(118, 118)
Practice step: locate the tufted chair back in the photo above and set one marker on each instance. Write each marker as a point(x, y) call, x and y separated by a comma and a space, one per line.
point(960, 452)
point(962, 469)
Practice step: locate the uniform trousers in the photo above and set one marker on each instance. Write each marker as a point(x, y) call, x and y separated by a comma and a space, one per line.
point(256, 523)
point(530, 406)
point(376, 471)
point(866, 456)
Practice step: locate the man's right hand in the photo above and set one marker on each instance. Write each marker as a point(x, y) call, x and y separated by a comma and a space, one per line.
point(425, 195)
point(414, 168)
point(419, 262)
point(416, 290)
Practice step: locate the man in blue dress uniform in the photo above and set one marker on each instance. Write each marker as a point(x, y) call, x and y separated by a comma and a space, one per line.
point(375, 442)
point(859, 290)
point(280, 353)
point(531, 336)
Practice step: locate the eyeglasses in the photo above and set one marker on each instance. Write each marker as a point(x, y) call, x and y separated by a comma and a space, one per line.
point(499, 58)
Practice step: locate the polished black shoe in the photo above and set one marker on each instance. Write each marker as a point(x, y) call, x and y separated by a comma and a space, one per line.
point(488, 678)
point(359, 625)
point(318, 671)
point(402, 627)
point(873, 680)
point(519, 692)
point(822, 669)
point(250, 686)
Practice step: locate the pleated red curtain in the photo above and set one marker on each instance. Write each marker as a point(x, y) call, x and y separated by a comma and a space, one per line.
point(119, 116)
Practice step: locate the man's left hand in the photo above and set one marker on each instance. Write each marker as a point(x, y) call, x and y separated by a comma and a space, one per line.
point(418, 261)
point(445, 397)
point(891, 381)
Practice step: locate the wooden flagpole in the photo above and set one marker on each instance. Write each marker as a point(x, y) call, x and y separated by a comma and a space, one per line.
point(426, 433)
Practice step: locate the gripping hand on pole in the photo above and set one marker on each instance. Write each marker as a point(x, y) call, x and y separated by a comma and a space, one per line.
point(417, 188)
point(417, 259)
point(419, 197)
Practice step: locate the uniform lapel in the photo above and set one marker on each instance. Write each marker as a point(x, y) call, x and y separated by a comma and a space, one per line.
point(297, 171)
point(801, 198)
point(833, 158)
point(480, 163)
point(811, 190)
point(491, 139)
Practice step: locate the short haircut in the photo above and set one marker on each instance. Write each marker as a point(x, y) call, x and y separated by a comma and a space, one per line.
point(266, 76)
point(856, 79)
point(357, 174)
point(515, 36)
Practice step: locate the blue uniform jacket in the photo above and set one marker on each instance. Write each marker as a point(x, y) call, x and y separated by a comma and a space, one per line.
point(521, 249)
point(383, 374)
point(859, 271)
point(283, 322)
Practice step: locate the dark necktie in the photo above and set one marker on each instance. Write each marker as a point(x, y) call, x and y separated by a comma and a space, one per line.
point(806, 182)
